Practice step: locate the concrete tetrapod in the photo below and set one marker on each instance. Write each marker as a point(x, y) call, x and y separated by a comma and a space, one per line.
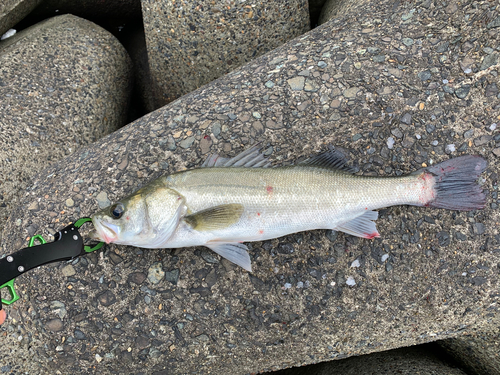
point(313, 296)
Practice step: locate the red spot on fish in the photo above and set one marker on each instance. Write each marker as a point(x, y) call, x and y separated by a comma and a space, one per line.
point(371, 235)
point(128, 218)
point(428, 194)
point(179, 198)
point(426, 176)
point(261, 231)
point(258, 213)
point(269, 189)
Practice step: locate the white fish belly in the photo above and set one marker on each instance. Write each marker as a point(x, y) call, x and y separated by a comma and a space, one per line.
point(280, 201)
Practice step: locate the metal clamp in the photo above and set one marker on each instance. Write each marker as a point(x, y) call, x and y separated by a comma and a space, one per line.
point(67, 245)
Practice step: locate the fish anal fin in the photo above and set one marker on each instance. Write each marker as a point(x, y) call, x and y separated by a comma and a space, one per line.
point(234, 252)
point(362, 226)
point(214, 218)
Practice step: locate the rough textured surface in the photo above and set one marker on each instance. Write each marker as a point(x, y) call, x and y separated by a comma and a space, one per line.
point(477, 351)
point(338, 8)
point(407, 85)
point(13, 11)
point(421, 360)
point(191, 43)
point(64, 83)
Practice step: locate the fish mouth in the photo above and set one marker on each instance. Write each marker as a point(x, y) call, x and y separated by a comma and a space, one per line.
point(104, 231)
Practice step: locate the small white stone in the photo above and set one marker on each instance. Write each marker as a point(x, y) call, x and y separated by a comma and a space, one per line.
point(390, 143)
point(355, 264)
point(493, 126)
point(8, 34)
point(418, 136)
point(450, 148)
point(288, 285)
point(98, 358)
point(350, 281)
point(300, 284)
point(385, 257)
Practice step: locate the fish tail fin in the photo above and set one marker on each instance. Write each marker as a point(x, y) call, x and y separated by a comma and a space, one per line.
point(455, 183)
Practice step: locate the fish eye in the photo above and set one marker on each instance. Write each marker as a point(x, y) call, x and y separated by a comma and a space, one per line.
point(117, 210)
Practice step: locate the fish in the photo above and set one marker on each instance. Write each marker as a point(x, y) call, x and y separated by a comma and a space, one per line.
point(229, 201)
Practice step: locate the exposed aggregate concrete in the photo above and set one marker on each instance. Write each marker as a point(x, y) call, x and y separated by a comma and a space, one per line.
point(64, 83)
point(191, 43)
point(396, 88)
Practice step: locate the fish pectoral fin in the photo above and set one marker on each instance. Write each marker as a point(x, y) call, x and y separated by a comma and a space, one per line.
point(362, 226)
point(214, 218)
point(234, 252)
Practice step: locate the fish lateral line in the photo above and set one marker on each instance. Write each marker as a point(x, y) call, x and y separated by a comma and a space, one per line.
point(241, 199)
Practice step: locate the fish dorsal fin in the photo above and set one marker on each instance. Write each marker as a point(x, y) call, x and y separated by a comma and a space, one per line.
point(214, 218)
point(250, 158)
point(332, 159)
point(234, 252)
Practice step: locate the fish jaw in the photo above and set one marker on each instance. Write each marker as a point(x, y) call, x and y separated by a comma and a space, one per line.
point(105, 231)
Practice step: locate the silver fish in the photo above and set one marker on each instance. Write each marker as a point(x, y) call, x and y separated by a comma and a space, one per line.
point(230, 201)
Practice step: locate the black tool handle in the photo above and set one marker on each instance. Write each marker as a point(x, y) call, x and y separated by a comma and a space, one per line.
point(67, 244)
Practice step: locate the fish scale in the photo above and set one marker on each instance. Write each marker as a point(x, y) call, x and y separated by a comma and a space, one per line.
point(301, 198)
point(224, 204)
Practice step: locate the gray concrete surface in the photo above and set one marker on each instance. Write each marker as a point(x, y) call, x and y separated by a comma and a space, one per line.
point(477, 351)
point(64, 83)
point(400, 90)
point(13, 11)
point(339, 8)
point(421, 360)
point(191, 43)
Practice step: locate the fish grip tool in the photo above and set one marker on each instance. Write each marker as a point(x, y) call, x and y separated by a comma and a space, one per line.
point(68, 244)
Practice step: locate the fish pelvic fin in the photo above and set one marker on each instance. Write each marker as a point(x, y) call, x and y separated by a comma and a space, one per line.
point(234, 252)
point(214, 218)
point(362, 226)
point(455, 183)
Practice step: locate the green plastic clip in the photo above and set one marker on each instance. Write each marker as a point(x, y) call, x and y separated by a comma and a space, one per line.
point(10, 284)
point(13, 295)
point(37, 237)
point(87, 248)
